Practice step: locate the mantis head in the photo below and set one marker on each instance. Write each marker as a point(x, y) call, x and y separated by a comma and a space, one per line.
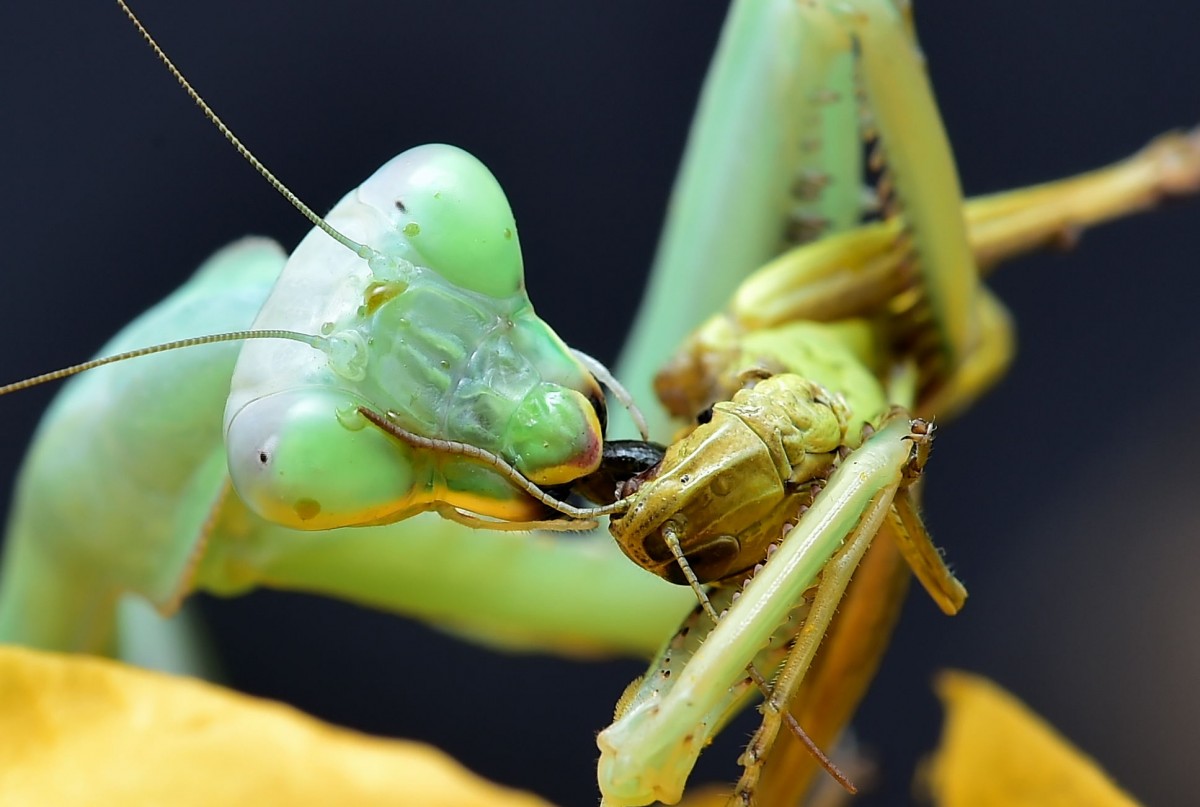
point(435, 329)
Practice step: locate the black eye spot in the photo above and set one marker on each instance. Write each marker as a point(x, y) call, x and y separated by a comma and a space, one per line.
point(705, 416)
point(263, 457)
point(400, 206)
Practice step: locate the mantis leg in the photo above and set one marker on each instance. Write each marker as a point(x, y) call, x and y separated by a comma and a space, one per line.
point(859, 634)
point(576, 595)
point(1009, 224)
point(1004, 225)
point(771, 57)
point(855, 274)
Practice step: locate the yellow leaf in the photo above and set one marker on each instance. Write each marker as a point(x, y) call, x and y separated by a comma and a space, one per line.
point(79, 730)
point(995, 752)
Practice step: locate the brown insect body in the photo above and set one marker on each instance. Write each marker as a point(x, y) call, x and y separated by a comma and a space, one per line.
point(729, 487)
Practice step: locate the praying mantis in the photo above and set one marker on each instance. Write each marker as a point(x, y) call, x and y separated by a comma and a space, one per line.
point(599, 280)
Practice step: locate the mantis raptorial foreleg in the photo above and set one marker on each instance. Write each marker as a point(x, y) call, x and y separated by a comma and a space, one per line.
point(934, 328)
point(809, 283)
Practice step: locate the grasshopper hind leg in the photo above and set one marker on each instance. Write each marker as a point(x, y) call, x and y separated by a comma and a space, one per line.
point(671, 537)
point(894, 507)
point(834, 579)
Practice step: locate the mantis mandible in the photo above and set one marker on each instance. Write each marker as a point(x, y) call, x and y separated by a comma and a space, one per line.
point(1112, 134)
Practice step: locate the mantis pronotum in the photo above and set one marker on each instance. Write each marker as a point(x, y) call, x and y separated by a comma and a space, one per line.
point(1090, 130)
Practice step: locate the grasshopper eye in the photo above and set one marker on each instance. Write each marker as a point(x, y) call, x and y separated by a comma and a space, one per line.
point(302, 459)
point(446, 211)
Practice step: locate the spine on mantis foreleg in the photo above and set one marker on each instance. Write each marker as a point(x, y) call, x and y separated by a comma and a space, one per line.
point(920, 166)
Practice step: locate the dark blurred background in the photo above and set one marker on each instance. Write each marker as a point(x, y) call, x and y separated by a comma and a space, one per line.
point(1063, 500)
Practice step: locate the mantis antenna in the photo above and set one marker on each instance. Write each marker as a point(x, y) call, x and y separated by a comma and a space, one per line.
point(363, 251)
point(318, 342)
point(374, 259)
point(605, 377)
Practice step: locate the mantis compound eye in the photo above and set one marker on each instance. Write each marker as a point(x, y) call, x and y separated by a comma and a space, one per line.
point(302, 459)
point(554, 436)
point(447, 212)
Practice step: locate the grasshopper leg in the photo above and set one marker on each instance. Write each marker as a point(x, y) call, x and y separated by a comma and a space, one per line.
point(648, 751)
point(834, 579)
point(918, 550)
point(896, 506)
point(671, 537)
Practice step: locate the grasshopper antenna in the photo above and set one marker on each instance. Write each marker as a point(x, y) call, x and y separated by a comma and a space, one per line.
point(318, 342)
point(362, 250)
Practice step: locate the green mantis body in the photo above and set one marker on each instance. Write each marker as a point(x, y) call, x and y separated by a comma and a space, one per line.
point(429, 332)
point(594, 286)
